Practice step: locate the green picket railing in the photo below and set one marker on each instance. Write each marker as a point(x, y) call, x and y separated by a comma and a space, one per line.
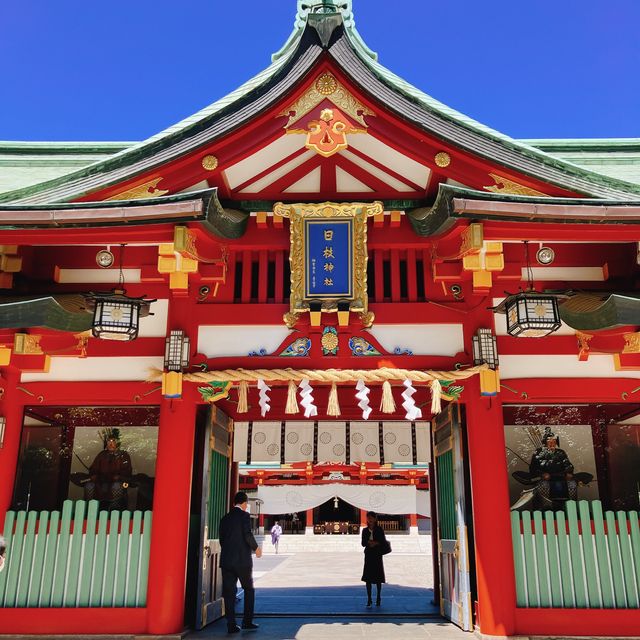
point(80, 557)
point(581, 559)
point(446, 496)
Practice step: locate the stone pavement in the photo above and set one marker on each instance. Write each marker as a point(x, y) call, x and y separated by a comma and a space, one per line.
point(313, 596)
point(340, 628)
point(319, 583)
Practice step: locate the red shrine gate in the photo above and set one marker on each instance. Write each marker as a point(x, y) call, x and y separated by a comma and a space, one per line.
point(327, 243)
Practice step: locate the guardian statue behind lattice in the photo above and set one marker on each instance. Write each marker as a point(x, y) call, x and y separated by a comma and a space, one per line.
point(551, 476)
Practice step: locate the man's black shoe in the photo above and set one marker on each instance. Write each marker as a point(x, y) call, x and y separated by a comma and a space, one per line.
point(251, 626)
point(233, 629)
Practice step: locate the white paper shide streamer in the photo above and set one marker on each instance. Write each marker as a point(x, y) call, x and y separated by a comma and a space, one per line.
point(306, 401)
point(264, 400)
point(409, 404)
point(362, 394)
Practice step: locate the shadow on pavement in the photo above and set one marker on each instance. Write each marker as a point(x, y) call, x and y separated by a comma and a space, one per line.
point(340, 628)
point(347, 600)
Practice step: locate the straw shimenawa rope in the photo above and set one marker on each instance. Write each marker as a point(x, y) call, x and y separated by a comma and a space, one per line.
point(327, 376)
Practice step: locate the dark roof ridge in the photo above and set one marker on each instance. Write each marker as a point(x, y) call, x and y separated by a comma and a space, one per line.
point(328, 27)
point(450, 124)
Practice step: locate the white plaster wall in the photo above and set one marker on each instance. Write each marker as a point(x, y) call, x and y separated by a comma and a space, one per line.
point(97, 369)
point(222, 341)
point(155, 326)
point(565, 366)
point(422, 339)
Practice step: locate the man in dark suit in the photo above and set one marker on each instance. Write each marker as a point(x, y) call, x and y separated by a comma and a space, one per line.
point(237, 543)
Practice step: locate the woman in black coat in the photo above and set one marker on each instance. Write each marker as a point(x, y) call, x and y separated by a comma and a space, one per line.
point(374, 542)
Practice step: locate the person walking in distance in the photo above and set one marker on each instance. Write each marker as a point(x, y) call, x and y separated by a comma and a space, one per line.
point(237, 544)
point(276, 532)
point(375, 546)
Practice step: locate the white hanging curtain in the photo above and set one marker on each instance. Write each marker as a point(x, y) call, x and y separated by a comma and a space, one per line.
point(423, 437)
point(298, 442)
point(423, 503)
point(364, 442)
point(397, 442)
point(390, 500)
point(332, 442)
point(240, 435)
point(265, 442)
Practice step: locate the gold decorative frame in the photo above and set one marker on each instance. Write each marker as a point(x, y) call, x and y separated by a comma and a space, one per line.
point(297, 214)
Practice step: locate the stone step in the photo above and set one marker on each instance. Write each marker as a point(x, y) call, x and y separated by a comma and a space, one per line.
point(346, 543)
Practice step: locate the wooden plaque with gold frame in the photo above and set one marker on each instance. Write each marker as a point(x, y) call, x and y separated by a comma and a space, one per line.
point(352, 298)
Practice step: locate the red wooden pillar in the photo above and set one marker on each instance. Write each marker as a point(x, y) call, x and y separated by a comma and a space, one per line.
point(308, 520)
point(491, 508)
point(12, 411)
point(363, 517)
point(171, 501)
point(234, 481)
point(413, 520)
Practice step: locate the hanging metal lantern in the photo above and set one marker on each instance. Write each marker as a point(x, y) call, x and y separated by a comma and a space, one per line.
point(485, 350)
point(116, 316)
point(531, 315)
point(176, 352)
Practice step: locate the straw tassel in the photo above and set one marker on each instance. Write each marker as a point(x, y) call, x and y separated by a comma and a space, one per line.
point(436, 396)
point(243, 392)
point(333, 406)
point(387, 403)
point(292, 402)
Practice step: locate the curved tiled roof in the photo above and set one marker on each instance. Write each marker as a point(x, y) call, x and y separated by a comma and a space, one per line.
point(324, 25)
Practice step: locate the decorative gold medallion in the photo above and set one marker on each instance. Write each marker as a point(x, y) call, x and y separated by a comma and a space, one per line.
point(329, 341)
point(209, 162)
point(442, 159)
point(328, 257)
point(326, 84)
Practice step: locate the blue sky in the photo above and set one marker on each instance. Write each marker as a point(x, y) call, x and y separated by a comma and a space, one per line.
point(125, 69)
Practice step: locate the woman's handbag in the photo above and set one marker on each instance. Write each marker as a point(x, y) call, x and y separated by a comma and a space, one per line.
point(385, 547)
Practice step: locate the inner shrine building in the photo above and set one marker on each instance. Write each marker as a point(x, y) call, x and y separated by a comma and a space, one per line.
point(326, 287)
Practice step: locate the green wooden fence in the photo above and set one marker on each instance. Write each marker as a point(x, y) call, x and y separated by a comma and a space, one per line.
point(446, 496)
point(582, 558)
point(218, 478)
point(80, 557)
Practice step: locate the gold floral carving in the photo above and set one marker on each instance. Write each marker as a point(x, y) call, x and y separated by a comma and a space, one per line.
point(148, 189)
point(297, 214)
point(326, 86)
point(27, 344)
point(504, 185)
point(631, 343)
point(209, 162)
point(329, 341)
point(583, 344)
point(442, 159)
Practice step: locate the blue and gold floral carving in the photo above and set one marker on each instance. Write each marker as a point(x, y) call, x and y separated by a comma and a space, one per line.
point(330, 341)
point(360, 347)
point(298, 348)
